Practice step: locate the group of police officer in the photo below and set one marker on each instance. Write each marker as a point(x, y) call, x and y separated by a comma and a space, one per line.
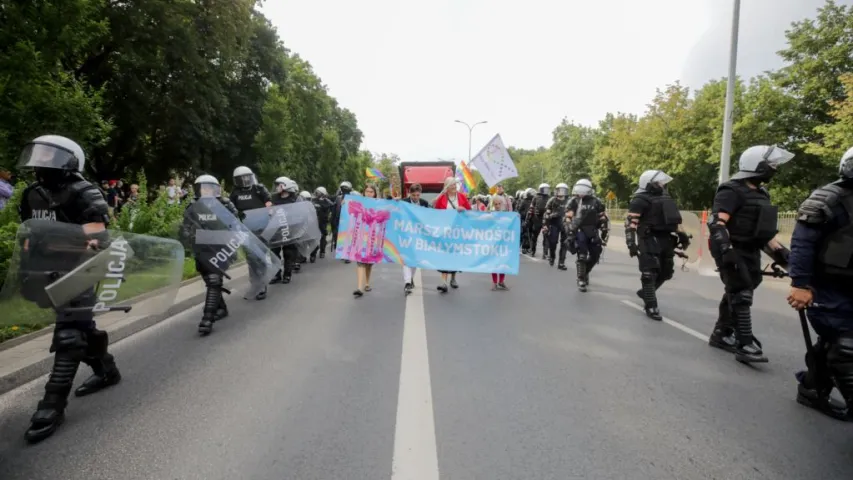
point(742, 225)
point(578, 224)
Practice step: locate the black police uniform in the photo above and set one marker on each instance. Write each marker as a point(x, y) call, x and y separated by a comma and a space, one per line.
point(657, 238)
point(737, 253)
point(582, 234)
point(290, 253)
point(555, 212)
point(822, 259)
point(324, 208)
point(251, 198)
point(535, 218)
point(336, 216)
point(523, 208)
point(198, 216)
point(75, 337)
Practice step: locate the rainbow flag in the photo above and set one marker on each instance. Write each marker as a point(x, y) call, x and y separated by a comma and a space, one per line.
point(374, 174)
point(467, 177)
point(460, 179)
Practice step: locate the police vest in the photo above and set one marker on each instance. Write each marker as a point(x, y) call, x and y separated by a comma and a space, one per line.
point(835, 251)
point(540, 205)
point(558, 209)
point(662, 215)
point(248, 198)
point(755, 222)
point(41, 203)
point(587, 211)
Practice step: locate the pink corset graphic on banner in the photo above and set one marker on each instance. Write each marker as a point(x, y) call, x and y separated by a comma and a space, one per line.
point(367, 233)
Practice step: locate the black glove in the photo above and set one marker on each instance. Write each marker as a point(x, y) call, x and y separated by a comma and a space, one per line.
point(631, 241)
point(683, 240)
point(605, 235)
point(730, 257)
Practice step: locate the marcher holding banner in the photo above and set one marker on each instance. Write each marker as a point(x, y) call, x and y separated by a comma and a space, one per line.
point(414, 198)
point(450, 198)
point(499, 203)
point(364, 269)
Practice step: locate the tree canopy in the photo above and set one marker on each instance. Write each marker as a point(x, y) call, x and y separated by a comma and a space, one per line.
point(174, 87)
point(805, 107)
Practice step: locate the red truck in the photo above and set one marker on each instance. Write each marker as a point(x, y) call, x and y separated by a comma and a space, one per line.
point(430, 175)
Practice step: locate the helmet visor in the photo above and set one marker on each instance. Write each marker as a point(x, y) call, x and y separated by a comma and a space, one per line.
point(660, 178)
point(561, 191)
point(207, 190)
point(581, 190)
point(245, 181)
point(545, 190)
point(775, 156)
point(39, 155)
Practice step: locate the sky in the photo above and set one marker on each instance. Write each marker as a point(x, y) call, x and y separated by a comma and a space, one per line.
point(408, 69)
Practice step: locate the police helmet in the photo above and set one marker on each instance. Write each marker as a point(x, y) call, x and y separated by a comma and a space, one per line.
point(652, 181)
point(244, 177)
point(561, 190)
point(206, 186)
point(761, 161)
point(582, 187)
point(544, 188)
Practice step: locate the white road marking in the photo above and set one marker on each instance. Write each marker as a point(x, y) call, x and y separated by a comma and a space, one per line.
point(415, 450)
point(673, 323)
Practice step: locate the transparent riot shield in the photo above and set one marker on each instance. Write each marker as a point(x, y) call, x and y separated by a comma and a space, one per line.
point(56, 273)
point(283, 225)
point(691, 225)
point(219, 237)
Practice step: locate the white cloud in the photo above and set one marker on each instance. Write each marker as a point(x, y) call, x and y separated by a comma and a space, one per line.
point(408, 69)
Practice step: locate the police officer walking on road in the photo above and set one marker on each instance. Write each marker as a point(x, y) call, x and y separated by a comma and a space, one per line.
point(199, 217)
point(61, 194)
point(652, 233)
point(535, 217)
point(324, 207)
point(585, 224)
point(555, 212)
point(821, 270)
point(248, 194)
point(286, 193)
point(743, 222)
point(523, 207)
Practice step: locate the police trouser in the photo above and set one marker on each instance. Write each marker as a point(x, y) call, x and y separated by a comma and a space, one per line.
point(322, 246)
point(535, 228)
point(740, 280)
point(525, 237)
point(589, 251)
point(657, 264)
point(213, 282)
point(75, 340)
point(556, 235)
point(833, 323)
point(290, 255)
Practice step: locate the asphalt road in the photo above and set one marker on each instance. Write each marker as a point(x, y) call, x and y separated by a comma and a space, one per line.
point(541, 382)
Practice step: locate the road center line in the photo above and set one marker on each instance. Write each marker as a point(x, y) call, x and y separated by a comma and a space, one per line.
point(673, 323)
point(415, 450)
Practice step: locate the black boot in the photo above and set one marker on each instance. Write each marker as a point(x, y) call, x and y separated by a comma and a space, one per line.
point(260, 295)
point(322, 253)
point(312, 258)
point(748, 348)
point(816, 384)
point(650, 300)
point(580, 265)
point(724, 339)
point(286, 277)
point(276, 278)
point(70, 348)
point(212, 299)
point(104, 371)
point(222, 311)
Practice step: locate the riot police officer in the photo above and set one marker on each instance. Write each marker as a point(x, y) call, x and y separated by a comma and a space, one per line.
point(324, 208)
point(523, 207)
point(198, 216)
point(535, 215)
point(286, 193)
point(586, 219)
point(555, 211)
point(248, 194)
point(821, 269)
point(344, 189)
point(61, 194)
point(743, 222)
point(652, 233)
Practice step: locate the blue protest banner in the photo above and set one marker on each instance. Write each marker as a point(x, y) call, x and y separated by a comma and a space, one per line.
point(390, 231)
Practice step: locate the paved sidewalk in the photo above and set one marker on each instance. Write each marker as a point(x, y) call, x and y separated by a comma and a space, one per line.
point(29, 359)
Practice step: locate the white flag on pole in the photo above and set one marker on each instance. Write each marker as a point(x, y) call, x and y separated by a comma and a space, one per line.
point(493, 162)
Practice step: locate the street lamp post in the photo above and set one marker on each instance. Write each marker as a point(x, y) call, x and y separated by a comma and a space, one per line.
point(728, 119)
point(470, 129)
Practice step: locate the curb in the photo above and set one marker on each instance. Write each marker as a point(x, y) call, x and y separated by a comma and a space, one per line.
point(33, 371)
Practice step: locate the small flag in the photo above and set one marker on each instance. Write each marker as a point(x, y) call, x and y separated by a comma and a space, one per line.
point(494, 163)
point(460, 179)
point(373, 173)
point(467, 177)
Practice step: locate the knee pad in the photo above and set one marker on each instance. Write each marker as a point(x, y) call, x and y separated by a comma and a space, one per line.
point(648, 277)
point(98, 341)
point(742, 298)
point(213, 280)
point(70, 341)
point(667, 269)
